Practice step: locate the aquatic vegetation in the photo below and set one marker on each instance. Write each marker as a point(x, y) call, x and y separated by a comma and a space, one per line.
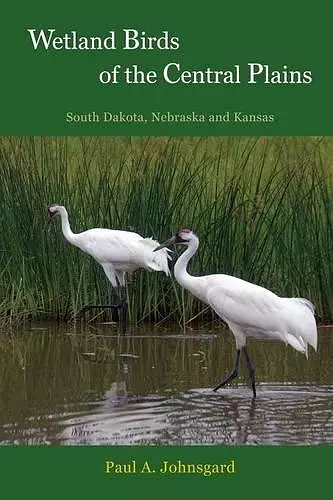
point(264, 206)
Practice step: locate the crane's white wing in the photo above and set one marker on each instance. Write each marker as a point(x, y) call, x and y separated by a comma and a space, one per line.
point(257, 312)
point(108, 245)
point(125, 250)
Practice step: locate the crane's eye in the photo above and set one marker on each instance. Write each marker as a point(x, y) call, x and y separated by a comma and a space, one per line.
point(52, 213)
point(180, 239)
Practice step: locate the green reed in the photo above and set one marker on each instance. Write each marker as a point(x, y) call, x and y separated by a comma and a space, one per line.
point(261, 207)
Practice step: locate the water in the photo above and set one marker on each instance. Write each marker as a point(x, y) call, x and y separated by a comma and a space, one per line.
point(89, 386)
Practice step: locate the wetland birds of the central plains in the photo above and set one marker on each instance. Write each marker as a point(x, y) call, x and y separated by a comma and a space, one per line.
point(117, 252)
point(248, 309)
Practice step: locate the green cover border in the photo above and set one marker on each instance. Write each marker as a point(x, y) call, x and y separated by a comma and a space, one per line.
point(38, 89)
point(41, 86)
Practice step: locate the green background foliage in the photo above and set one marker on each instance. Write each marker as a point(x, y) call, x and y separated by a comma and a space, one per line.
point(260, 206)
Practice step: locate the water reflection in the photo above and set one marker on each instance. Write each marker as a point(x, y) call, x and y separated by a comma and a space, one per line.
point(154, 387)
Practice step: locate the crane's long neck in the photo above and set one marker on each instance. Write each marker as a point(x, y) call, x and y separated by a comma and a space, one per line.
point(66, 229)
point(180, 269)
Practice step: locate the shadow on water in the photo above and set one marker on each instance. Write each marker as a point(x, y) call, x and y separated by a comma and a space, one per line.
point(90, 386)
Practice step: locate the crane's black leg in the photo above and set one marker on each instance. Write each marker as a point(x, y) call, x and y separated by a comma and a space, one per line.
point(250, 367)
point(121, 301)
point(123, 308)
point(122, 297)
point(118, 282)
point(232, 375)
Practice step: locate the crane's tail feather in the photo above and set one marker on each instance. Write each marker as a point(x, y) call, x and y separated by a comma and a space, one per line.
point(297, 343)
point(161, 264)
point(156, 261)
point(305, 302)
point(306, 330)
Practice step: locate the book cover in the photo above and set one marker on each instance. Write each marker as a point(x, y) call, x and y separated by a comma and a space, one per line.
point(166, 256)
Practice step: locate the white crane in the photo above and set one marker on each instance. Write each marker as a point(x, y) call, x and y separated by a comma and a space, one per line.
point(249, 310)
point(116, 251)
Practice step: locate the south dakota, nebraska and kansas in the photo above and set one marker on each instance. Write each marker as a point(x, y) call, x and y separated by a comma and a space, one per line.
point(167, 117)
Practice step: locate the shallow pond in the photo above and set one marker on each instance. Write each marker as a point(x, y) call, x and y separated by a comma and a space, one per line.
point(88, 385)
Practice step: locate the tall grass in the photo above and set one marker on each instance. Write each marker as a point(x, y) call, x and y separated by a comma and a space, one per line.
point(261, 207)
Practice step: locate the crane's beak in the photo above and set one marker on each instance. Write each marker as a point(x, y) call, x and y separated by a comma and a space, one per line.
point(50, 216)
point(167, 243)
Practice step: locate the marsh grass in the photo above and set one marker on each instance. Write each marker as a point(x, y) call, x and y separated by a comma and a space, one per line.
point(261, 207)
